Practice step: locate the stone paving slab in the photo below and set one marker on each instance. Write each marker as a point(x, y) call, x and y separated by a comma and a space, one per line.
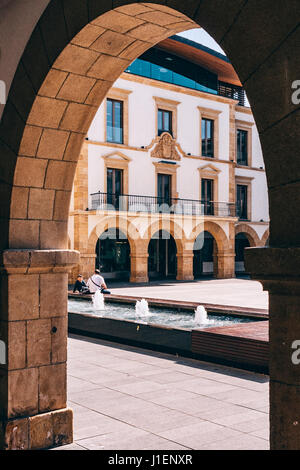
point(173, 403)
point(228, 292)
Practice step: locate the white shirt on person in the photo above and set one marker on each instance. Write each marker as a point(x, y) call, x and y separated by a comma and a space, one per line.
point(95, 282)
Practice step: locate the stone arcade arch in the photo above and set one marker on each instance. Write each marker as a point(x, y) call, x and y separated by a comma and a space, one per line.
point(128, 229)
point(66, 67)
point(223, 249)
point(245, 236)
point(250, 234)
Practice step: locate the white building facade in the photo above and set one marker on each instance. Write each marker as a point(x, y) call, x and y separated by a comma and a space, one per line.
point(171, 181)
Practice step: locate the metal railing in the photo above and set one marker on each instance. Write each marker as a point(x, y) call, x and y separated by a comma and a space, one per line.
point(151, 204)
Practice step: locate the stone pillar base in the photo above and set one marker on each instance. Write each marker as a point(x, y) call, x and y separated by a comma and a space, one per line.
point(41, 431)
point(33, 334)
point(138, 277)
point(185, 266)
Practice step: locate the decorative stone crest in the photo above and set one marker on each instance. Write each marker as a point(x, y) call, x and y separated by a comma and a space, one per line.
point(166, 147)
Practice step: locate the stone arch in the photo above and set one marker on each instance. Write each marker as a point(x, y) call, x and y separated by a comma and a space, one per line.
point(46, 117)
point(114, 222)
point(171, 227)
point(250, 234)
point(60, 110)
point(265, 237)
point(216, 231)
point(223, 253)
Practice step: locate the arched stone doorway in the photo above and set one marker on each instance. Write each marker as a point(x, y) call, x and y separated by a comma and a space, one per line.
point(51, 102)
point(162, 261)
point(113, 255)
point(218, 244)
point(245, 237)
point(205, 249)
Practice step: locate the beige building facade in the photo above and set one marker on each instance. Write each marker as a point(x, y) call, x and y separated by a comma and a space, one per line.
point(170, 182)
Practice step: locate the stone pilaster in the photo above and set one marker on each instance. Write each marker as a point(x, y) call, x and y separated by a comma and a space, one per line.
point(33, 329)
point(139, 267)
point(278, 269)
point(185, 266)
point(224, 265)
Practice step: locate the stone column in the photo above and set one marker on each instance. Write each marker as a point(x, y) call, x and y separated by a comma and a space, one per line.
point(139, 267)
point(33, 328)
point(278, 269)
point(185, 271)
point(224, 265)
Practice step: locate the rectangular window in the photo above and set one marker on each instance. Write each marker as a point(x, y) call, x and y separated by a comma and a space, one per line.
point(114, 121)
point(242, 147)
point(207, 135)
point(164, 121)
point(242, 201)
point(164, 189)
point(114, 186)
point(207, 196)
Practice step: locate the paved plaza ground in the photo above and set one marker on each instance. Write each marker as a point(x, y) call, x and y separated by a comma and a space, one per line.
point(233, 292)
point(129, 398)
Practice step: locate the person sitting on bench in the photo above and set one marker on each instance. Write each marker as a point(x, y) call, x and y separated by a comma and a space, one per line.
point(80, 286)
point(96, 282)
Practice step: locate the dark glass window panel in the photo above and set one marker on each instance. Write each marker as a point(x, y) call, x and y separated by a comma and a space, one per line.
point(207, 135)
point(183, 81)
point(164, 189)
point(161, 73)
point(242, 147)
point(114, 121)
point(113, 252)
point(140, 67)
point(145, 68)
point(162, 261)
point(173, 69)
point(114, 186)
point(164, 121)
point(207, 196)
point(242, 201)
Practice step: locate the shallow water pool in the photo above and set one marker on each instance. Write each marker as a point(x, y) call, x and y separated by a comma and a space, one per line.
point(157, 315)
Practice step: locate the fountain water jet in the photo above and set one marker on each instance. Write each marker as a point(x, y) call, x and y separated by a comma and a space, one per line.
point(201, 316)
point(98, 301)
point(142, 309)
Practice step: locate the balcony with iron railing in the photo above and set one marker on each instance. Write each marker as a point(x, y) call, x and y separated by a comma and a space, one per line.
point(155, 205)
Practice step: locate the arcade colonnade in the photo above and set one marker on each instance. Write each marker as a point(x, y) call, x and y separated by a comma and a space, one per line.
point(139, 229)
point(64, 59)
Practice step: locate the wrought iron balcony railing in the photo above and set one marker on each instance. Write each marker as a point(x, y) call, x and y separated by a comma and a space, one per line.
point(150, 204)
